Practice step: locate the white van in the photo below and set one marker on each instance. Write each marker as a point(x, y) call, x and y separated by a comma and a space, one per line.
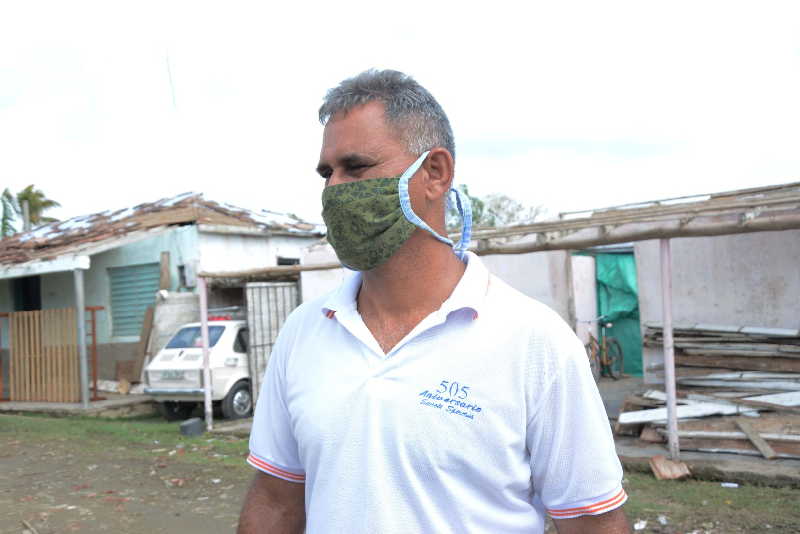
point(175, 376)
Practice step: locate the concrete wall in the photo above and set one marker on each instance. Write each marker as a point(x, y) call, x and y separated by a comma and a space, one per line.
point(745, 279)
point(226, 252)
point(584, 286)
point(544, 276)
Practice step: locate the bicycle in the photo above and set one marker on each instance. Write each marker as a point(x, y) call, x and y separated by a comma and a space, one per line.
point(605, 355)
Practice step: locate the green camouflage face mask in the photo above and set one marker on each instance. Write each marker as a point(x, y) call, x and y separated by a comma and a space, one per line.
point(365, 223)
point(368, 220)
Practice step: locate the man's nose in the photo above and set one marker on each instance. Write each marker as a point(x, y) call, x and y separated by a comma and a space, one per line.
point(336, 177)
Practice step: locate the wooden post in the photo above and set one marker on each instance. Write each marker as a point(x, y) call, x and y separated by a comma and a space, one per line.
point(81, 320)
point(164, 278)
point(669, 350)
point(93, 311)
point(202, 288)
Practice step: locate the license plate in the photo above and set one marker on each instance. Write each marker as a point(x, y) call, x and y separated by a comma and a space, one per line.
point(172, 375)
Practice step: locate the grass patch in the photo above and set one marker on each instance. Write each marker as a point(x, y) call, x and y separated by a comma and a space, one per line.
point(702, 504)
point(140, 436)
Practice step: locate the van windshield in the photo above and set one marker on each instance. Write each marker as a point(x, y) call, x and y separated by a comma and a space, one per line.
point(189, 337)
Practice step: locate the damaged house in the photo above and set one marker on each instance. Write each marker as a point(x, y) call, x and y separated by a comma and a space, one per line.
point(115, 265)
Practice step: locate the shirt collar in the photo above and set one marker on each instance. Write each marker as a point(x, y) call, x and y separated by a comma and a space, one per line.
point(469, 293)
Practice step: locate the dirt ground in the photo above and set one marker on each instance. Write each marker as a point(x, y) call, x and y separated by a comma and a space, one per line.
point(64, 475)
point(63, 485)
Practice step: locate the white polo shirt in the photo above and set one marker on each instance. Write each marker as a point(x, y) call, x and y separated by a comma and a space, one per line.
point(482, 419)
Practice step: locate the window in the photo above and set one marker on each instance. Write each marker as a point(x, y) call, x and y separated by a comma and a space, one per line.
point(240, 345)
point(190, 337)
point(133, 289)
point(288, 261)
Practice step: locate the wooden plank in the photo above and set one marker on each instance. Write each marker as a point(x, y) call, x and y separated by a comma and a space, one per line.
point(164, 277)
point(651, 435)
point(144, 341)
point(743, 353)
point(73, 346)
point(765, 405)
point(712, 434)
point(757, 441)
point(27, 354)
point(64, 357)
point(790, 365)
point(54, 340)
point(51, 323)
point(12, 361)
point(43, 354)
point(790, 398)
point(37, 353)
point(777, 332)
point(702, 409)
point(743, 347)
point(762, 384)
point(665, 469)
point(750, 375)
point(21, 356)
point(738, 446)
point(12, 353)
point(37, 347)
point(59, 334)
point(51, 354)
point(31, 357)
point(65, 395)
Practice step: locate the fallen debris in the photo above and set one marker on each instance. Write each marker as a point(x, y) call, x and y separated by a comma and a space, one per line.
point(757, 440)
point(666, 469)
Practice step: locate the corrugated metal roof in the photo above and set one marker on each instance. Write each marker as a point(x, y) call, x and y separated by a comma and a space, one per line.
point(88, 231)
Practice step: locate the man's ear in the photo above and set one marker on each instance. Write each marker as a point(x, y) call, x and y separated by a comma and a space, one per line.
point(439, 167)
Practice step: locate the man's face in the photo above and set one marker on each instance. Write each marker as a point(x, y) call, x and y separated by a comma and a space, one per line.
point(360, 145)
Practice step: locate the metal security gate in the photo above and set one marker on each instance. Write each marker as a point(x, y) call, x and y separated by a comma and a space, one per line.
point(268, 306)
point(44, 356)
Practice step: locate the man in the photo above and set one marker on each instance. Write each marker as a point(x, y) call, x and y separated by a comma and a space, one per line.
point(424, 395)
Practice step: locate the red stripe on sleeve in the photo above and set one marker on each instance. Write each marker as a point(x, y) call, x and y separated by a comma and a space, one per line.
point(271, 469)
point(592, 509)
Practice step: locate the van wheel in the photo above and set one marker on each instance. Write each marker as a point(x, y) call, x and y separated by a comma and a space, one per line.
point(175, 411)
point(238, 402)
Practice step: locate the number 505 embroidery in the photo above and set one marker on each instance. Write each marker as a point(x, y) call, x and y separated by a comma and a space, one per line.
point(456, 390)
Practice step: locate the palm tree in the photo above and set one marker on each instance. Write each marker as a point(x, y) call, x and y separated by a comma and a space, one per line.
point(8, 212)
point(37, 205)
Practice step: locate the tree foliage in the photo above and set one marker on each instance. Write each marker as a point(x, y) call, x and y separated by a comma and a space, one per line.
point(38, 203)
point(494, 210)
point(11, 210)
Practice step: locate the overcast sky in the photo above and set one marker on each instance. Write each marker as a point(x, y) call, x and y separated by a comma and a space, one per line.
point(569, 105)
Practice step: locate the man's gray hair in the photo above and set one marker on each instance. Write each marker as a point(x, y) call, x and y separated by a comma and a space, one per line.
point(409, 107)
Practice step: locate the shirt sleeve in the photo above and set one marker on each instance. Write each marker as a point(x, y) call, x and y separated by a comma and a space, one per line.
point(273, 447)
point(574, 465)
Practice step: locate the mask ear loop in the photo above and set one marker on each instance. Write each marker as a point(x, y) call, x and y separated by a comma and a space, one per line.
point(464, 207)
point(405, 200)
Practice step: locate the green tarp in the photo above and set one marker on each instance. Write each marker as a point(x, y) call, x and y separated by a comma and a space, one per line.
point(618, 302)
